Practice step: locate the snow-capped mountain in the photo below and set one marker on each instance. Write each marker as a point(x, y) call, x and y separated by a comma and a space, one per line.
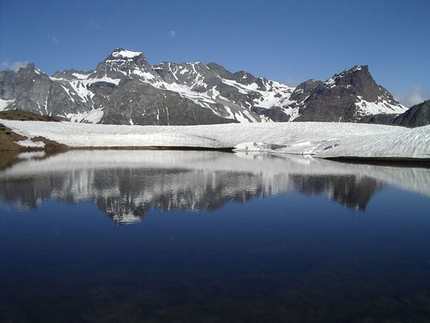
point(348, 96)
point(125, 89)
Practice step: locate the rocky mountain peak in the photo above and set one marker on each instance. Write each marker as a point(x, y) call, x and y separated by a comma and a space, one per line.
point(30, 71)
point(351, 95)
point(125, 88)
point(357, 76)
point(220, 70)
point(122, 56)
point(357, 81)
point(303, 90)
point(121, 53)
point(122, 62)
point(25, 89)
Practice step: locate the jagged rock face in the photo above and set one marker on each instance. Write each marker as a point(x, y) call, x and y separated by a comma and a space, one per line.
point(125, 89)
point(123, 63)
point(416, 116)
point(348, 96)
point(139, 103)
point(26, 89)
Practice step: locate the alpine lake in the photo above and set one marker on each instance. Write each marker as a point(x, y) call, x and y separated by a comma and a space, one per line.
point(205, 236)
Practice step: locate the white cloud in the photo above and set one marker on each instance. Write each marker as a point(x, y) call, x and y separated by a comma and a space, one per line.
point(91, 23)
point(172, 33)
point(53, 39)
point(14, 66)
point(415, 95)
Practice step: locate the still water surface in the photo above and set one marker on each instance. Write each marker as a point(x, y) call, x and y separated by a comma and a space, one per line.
point(163, 236)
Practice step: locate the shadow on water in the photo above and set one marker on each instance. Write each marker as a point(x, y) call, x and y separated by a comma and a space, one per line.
point(216, 237)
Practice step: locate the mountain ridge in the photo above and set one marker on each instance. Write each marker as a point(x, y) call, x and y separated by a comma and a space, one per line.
point(125, 89)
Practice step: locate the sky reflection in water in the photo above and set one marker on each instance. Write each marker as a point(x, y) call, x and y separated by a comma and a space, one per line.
point(215, 237)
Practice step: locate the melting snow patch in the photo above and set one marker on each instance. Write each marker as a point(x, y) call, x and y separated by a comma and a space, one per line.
point(31, 144)
point(370, 108)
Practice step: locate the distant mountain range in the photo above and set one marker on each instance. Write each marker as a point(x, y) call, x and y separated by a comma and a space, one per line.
point(125, 89)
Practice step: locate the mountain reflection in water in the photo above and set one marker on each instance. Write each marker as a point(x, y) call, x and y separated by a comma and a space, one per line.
point(225, 238)
point(126, 184)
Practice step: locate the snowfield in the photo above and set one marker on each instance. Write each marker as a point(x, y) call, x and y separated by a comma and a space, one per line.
point(318, 139)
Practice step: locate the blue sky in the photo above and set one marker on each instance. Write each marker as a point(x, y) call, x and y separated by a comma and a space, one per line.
point(286, 40)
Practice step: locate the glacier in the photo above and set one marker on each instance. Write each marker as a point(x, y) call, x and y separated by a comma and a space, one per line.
point(317, 139)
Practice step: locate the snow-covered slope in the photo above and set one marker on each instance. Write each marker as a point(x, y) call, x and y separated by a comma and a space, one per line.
point(325, 140)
